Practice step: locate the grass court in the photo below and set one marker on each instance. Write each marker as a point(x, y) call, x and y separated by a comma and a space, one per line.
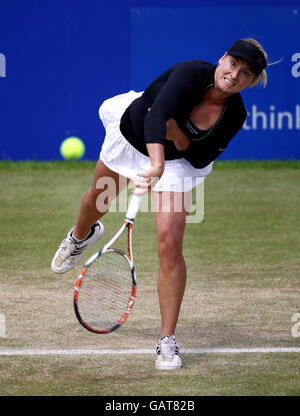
point(242, 292)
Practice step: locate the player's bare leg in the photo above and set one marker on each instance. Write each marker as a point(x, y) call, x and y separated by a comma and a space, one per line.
point(88, 230)
point(170, 226)
point(92, 206)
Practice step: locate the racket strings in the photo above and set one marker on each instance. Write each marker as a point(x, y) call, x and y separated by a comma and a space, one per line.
point(105, 291)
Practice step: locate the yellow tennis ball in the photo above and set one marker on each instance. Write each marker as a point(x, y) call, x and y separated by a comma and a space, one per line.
point(72, 148)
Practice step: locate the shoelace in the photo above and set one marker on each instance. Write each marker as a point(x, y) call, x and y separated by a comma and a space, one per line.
point(67, 248)
point(167, 347)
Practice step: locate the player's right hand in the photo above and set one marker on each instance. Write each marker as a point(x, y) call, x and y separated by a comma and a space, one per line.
point(147, 180)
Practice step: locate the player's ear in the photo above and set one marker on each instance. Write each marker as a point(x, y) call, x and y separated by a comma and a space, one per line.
point(223, 57)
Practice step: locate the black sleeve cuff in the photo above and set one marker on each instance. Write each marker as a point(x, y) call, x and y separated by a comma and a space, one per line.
point(161, 141)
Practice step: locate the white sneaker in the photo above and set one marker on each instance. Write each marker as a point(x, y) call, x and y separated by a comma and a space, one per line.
point(168, 355)
point(70, 251)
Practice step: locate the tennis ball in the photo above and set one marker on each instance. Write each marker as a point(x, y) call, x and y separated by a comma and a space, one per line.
point(72, 148)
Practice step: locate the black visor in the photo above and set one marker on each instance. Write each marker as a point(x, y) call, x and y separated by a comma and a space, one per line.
point(246, 50)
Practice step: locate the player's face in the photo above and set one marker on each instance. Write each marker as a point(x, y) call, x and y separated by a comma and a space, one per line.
point(233, 74)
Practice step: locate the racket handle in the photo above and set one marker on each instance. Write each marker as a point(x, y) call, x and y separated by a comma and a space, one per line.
point(133, 207)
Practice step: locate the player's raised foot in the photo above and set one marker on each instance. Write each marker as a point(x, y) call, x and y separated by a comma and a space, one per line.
point(71, 250)
point(168, 355)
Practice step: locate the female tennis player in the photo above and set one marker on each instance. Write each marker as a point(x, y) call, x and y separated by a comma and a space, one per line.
point(173, 130)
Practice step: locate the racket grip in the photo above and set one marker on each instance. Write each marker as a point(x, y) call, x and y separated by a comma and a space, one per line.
point(133, 207)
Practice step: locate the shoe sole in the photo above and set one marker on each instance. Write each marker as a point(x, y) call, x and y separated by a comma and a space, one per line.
point(167, 366)
point(177, 367)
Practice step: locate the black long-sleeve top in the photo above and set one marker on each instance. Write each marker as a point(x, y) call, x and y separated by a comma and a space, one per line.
point(174, 94)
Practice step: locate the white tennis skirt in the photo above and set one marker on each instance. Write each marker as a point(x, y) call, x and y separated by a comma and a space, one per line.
point(121, 157)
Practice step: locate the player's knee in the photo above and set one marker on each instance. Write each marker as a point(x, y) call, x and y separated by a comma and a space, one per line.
point(169, 250)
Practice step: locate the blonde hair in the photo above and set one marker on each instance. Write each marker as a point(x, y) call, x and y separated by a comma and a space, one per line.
point(262, 77)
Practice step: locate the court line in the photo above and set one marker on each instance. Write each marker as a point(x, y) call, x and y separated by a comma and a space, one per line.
point(23, 352)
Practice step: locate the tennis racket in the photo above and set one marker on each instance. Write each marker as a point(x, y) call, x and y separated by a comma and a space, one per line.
point(105, 290)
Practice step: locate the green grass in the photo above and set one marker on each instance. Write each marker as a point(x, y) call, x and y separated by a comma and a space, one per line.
point(213, 375)
point(242, 291)
point(8, 165)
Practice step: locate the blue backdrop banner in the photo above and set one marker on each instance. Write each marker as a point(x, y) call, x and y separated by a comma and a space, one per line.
point(60, 60)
